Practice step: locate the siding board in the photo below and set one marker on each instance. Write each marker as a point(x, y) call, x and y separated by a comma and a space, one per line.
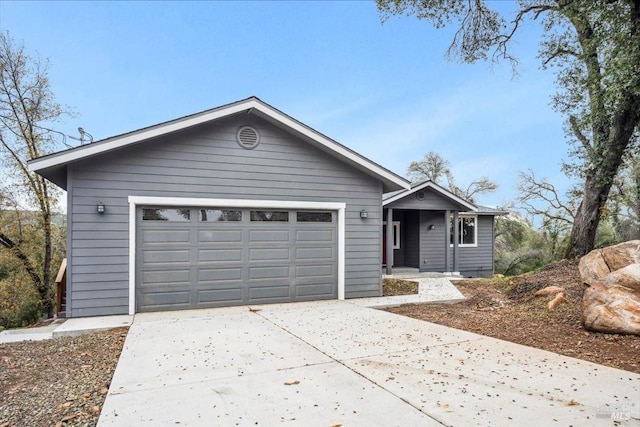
point(206, 162)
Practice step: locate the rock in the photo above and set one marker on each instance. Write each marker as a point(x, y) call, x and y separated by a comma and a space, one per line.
point(548, 291)
point(611, 308)
point(555, 301)
point(621, 255)
point(627, 277)
point(600, 262)
point(593, 267)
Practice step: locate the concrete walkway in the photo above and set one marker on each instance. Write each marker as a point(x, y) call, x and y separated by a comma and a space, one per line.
point(65, 327)
point(336, 363)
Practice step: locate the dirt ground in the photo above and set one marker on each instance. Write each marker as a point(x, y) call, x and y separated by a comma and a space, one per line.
point(506, 309)
point(57, 382)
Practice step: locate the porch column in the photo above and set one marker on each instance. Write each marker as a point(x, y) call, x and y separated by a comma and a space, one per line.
point(447, 242)
point(389, 235)
point(456, 239)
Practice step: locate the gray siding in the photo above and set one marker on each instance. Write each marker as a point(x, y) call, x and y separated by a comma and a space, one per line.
point(431, 201)
point(432, 242)
point(399, 254)
point(411, 239)
point(208, 163)
point(472, 261)
point(478, 261)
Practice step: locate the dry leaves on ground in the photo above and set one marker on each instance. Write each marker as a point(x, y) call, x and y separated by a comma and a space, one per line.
point(57, 382)
point(507, 309)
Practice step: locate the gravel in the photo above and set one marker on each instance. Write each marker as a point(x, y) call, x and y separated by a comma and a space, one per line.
point(57, 382)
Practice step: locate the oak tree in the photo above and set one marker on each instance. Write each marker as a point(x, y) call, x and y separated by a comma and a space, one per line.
point(594, 47)
point(27, 110)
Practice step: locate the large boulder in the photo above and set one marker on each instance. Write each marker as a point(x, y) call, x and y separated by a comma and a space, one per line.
point(612, 309)
point(600, 262)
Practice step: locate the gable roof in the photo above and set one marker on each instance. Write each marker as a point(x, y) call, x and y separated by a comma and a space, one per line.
point(54, 166)
point(397, 195)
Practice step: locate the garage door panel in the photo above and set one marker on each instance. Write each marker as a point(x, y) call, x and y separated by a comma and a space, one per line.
point(314, 236)
point(277, 272)
point(219, 255)
point(269, 292)
point(166, 236)
point(320, 270)
point(197, 264)
point(219, 274)
point(268, 236)
point(165, 276)
point(220, 236)
point(220, 295)
point(269, 254)
point(166, 256)
point(314, 253)
point(166, 298)
point(316, 289)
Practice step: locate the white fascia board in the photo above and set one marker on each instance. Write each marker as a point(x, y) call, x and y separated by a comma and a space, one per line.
point(333, 146)
point(101, 147)
point(253, 103)
point(437, 189)
point(135, 201)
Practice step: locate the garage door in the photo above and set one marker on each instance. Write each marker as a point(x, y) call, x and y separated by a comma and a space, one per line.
point(210, 257)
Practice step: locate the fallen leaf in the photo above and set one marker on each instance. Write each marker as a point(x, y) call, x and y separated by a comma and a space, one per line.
point(292, 383)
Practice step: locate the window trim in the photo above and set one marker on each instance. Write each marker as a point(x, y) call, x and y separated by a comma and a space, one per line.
point(396, 232)
point(475, 231)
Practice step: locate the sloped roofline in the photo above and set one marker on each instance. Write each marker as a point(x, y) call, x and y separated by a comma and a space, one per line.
point(435, 187)
point(252, 105)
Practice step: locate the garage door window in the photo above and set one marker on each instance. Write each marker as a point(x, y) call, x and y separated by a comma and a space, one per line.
point(220, 215)
point(314, 217)
point(280, 216)
point(166, 215)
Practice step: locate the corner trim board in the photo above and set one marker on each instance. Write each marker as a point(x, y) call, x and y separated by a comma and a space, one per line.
point(135, 201)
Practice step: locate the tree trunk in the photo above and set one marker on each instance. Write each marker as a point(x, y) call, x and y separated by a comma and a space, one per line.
point(585, 224)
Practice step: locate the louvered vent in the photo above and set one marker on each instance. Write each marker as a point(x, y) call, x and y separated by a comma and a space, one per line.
point(420, 195)
point(248, 137)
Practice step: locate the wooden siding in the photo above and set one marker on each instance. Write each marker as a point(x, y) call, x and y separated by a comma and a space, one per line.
point(472, 261)
point(432, 242)
point(478, 261)
point(411, 239)
point(208, 163)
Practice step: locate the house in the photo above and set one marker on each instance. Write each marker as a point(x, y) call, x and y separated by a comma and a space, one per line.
point(423, 236)
point(240, 204)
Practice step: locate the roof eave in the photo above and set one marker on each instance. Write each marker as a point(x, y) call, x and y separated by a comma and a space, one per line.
point(390, 180)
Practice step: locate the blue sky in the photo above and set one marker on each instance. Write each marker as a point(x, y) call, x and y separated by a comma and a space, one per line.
point(384, 90)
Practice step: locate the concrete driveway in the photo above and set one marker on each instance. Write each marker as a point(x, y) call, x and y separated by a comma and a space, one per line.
point(336, 363)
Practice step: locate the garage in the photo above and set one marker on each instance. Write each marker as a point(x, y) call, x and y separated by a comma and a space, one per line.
point(199, 257)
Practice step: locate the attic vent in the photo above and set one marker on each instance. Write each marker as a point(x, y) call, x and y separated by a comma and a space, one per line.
point(248, 137)
point(420, 195)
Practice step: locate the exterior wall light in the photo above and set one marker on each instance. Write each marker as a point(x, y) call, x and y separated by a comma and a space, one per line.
point(432, 227)
point(364, 214)
point(100, 208)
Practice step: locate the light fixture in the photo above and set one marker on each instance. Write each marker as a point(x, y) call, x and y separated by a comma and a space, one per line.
point(100, 208)
point(432, 227)
point(364, 214)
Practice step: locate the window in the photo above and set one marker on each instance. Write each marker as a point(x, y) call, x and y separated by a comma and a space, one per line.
point(281, 216)
point(467, 230)
point(396, 233)
point(314, 216)
point(166, 214)
point(210, 215)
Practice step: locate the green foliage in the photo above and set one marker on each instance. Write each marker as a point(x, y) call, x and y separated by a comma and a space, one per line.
point(19, 302)
point(519, 248)
point(594, 47)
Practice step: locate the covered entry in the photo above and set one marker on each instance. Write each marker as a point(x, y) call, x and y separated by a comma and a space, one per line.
point(197, 257)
